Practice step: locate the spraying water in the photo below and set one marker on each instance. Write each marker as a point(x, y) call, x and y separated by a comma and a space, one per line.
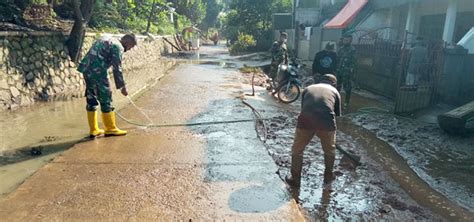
point(141, 111)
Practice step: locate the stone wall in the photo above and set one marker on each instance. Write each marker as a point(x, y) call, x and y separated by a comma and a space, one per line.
point(35, 67)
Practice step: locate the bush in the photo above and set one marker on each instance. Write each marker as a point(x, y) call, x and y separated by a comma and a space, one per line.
point(244, 43)
point(8, 11)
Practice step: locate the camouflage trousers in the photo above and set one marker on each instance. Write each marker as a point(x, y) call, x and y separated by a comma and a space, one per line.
point(98, 92)
point(344, 80)
point(273, 70)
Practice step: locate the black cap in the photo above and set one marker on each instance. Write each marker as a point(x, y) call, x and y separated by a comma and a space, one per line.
point(329, 79)
point(130, 37)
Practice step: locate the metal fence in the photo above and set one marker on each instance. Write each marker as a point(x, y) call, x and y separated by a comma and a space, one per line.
point(382, 69)
point(378, 65)
point(425, 91)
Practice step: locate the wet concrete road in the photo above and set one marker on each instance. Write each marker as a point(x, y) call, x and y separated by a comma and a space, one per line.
point(180, 173)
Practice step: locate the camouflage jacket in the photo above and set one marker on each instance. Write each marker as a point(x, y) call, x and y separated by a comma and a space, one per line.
point(279, 53)
point(347, 60)
point(103, 54)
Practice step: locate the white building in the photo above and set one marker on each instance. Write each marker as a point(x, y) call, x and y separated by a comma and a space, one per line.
point(447, 20)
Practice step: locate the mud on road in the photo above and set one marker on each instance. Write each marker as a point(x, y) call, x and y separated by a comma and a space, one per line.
point(363, 193)
point(445, 162)
point(368, 192)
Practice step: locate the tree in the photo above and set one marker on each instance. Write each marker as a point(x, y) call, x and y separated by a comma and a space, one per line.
point(213, 8)
point(245, 16)
point(132, 16)
point(193, 10)
point(152, 13)
point(82, 15)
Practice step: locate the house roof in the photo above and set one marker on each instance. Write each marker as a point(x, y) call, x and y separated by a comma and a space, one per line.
point(346, 15)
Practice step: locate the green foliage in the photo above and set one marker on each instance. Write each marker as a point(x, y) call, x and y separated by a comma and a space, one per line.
point(131, 16)
point(39, 2)
point(213, 8)
point(8, 11)
point(254, 19)
point(244, 43)
point(128, 15)
point(194, 10)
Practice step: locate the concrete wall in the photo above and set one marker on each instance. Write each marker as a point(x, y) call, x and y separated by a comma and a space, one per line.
point(431, 8)
point(394, 14)
point(35, 67)
point(307, 16)
point(379, 18)
point(393, 18)
point(457, 79)
point(319, 37)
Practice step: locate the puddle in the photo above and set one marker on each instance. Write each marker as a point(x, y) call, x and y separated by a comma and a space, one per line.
point(221, 64)
point(13, 175)
point(36, 134)
point(17, 165)
point(257, 199)
point(43, 122)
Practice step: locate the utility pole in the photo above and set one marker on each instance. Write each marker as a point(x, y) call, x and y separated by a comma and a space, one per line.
point(295, 28)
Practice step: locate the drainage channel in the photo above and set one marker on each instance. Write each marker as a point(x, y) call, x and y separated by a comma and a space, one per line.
point(399, 170)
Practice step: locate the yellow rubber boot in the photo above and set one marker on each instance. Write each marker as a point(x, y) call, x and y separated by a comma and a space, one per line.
point(94, 124)
point(110, 126)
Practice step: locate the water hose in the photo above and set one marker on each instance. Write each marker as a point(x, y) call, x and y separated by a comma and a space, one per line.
point(258, 118)
point(258, 121)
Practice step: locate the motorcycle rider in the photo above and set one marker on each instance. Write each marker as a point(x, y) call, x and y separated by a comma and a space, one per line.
point(279, 53)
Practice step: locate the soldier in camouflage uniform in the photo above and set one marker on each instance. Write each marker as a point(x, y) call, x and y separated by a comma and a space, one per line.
point(279, 52)
point(345, 68)
point(103, 54)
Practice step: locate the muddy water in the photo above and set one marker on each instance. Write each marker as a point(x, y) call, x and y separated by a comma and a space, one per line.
point(444, 162)
point(404, 175)
point(361, 193)
point(385, 187)
point(50, 127)
point(46, 122)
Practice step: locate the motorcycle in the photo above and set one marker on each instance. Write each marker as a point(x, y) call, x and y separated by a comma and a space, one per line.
point(288, 82)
